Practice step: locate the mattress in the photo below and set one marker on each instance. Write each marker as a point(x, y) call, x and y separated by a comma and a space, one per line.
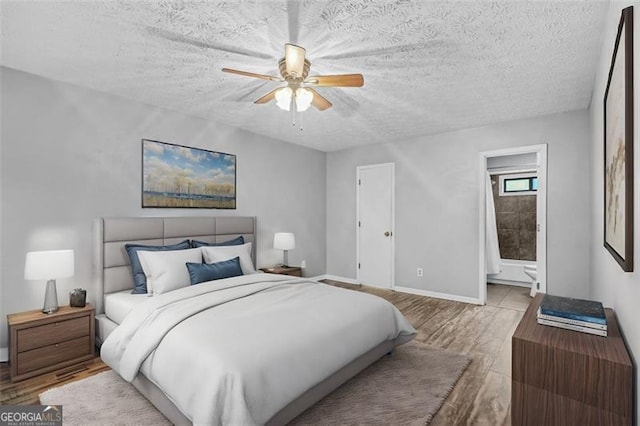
point(118, 305)
point(282, 319)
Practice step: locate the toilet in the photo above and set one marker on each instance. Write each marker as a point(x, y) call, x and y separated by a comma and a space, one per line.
point(532, 272)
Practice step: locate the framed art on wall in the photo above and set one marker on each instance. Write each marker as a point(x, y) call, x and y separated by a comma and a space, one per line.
point(618, 147)
point(176, 176)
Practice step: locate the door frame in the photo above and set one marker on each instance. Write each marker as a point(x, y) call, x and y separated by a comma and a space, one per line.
point(393, 219)
point(541, 214)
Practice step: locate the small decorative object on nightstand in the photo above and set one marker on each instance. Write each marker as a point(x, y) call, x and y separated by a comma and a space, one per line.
point(78, 298)
point(40, 343)
point(49, 265)
point(295, 271)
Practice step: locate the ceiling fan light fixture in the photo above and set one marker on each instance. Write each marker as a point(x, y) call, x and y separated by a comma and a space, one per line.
point(297, 93)
point(294, 60)
point(283, 98)
point(304, 98)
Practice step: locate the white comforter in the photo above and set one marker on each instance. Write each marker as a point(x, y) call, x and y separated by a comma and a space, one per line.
point(236, 351)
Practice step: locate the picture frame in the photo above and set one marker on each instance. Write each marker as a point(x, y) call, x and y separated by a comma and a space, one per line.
point(178, 176)
point(618, 147)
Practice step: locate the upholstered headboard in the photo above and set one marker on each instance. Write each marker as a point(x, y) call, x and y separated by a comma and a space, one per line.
point(112, 270)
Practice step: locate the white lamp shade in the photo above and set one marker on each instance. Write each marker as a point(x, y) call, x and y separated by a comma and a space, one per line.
point(284, 241)
point(304, 98)
point(294, 59)
point(283, 98)
point(49, 265)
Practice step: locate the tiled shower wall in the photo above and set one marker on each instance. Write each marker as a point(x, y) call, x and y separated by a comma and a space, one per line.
point(516, 222)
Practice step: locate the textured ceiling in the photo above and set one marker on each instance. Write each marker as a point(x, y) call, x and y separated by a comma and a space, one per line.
point(429, 67)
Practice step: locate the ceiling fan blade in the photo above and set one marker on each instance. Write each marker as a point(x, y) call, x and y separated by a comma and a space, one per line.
point(294, 59)
point(319, 101)
point(251, 74)
point(267, 98)
point(343, 80)
point(170, 35)
point(402, 49)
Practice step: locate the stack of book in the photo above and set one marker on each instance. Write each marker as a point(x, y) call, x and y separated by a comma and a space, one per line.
point(585, 316)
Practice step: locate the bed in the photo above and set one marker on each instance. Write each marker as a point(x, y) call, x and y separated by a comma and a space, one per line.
point(171, 346)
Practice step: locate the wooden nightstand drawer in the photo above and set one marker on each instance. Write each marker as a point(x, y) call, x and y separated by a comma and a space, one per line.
point(53, 354)
point(55, 332)
point(39, 343)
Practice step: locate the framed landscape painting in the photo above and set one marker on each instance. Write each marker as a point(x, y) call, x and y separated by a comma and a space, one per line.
point(176, 176)
point(618, 147)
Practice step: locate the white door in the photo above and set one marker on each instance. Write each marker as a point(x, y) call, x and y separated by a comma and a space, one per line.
point(375, 207)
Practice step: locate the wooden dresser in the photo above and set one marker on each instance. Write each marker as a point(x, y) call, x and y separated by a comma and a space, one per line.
point(39, 343)
point(563, 377)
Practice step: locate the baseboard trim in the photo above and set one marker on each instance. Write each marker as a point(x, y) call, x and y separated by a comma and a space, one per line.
point(334, 278)
point(419, 292)
point(446, 296)
point(4, 354)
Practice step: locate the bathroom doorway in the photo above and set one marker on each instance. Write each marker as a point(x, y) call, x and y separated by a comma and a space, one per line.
point(512, 220)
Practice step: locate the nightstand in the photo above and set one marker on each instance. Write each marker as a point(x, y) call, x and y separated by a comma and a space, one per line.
point(295, 271)
point(39, 343)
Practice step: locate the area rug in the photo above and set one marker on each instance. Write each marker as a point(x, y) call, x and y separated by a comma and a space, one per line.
point(407, 387)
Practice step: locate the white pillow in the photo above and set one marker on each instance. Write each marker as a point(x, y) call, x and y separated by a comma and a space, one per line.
point(213, 254)
point(167, 270)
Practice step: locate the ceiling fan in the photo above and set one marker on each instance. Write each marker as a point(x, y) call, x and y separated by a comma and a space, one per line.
point(298, 93)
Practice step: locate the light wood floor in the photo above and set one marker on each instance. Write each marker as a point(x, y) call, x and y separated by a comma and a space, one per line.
point(26, 392)
point(482, 395)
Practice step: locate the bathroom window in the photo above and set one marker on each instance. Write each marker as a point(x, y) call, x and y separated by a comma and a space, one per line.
point(518, 184)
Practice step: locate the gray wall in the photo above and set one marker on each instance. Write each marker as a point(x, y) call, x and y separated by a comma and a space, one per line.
point(70, 155)
point(437, 203)
point(609, 283)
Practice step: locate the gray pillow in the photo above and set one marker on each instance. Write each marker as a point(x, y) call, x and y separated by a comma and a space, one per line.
point(238, 241)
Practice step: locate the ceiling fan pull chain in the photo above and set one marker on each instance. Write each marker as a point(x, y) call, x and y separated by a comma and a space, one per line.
point(293, 109)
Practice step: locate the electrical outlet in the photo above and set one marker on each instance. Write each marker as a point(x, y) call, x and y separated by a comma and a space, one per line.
point(420, 272)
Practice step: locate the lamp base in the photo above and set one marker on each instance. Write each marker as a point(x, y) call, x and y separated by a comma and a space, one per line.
point(50, 298)
point(285, 258)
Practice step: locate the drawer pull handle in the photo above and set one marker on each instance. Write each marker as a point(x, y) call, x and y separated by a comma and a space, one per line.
point(56, 345)
point(57, 323)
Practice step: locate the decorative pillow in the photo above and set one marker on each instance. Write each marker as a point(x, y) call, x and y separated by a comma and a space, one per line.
point(238, 241)
point(139, 279)
point(201, 272)
point(220, 253)
point(167, 270)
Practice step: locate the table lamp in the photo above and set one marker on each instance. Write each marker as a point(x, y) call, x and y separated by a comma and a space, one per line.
point(49, 265)
point(284, 241)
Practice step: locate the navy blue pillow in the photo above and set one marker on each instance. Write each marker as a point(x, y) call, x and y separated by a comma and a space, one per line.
point(139, 278)
point(201, 272)
point(238, 241)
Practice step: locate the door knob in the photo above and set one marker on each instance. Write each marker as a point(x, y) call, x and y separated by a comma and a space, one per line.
point(387, 233)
